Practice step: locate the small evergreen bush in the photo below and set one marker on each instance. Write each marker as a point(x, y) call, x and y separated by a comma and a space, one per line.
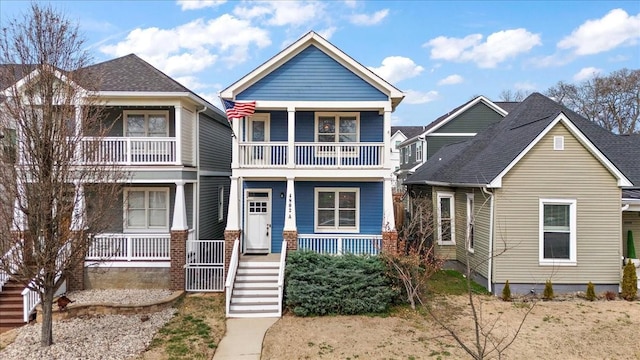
point(318, 284)
point(629, 282)
point(591, 292)
point(506, 292)
point(548, 291)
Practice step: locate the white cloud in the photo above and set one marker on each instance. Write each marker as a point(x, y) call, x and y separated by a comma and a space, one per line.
point(497, 48)
point(615, 29)
point(350, 3)
point(369, 19)
point(328, 32)
point(397, 68)
point(419, 97)
point(451, 80)
point(525, 86)
point(193, 46)
point(282, 13)
point(586, 73)
point(199, 4)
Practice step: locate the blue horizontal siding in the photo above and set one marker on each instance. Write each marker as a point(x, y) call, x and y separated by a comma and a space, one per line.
point(277, 209)
point(312, 75)
point(278, 127)
point(371, 212)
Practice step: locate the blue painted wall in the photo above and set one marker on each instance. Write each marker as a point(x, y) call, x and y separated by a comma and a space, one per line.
point(371, 212)
point(277, 209)
point(279, 127)
point(312, 75)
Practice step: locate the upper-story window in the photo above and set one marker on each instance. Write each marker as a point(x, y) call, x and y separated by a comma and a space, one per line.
point(407, 151)
point(397, 146)
point(337, 127)
point(419, 151)
point(144, 123)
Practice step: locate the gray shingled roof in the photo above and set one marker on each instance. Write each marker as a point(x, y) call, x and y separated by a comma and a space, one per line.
point(479, 160)
point(408, 131)
point(131, 73)
point(12, 73)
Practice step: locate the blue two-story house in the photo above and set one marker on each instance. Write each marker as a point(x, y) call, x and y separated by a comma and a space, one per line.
point(311, 167)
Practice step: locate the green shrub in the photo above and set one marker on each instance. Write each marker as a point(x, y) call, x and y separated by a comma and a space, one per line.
point(629, 282)
point(548, 291)
point(506, 292)
point(319, 284)
point(591, 292)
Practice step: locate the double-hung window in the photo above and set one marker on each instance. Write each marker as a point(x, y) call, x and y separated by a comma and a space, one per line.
point(139, 123)
point(470, 223)
point(146, 209)
point(337, 209)
point(337, 128)
point(419, 151)
point(220, 203)
point(446, 220)
point(557, 231)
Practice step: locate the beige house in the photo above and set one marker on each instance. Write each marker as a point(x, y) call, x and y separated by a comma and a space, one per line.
point(543, 195)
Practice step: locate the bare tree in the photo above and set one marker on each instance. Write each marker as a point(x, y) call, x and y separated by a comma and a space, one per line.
point(513, 96)
point(612, 101)
point(56, 188)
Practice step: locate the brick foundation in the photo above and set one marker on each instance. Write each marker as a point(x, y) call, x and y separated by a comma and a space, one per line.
point(230, 237)
point(291, 237)
point(390, 242)
point(178, 259)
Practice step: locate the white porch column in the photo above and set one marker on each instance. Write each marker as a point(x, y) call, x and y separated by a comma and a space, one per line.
point(178, 128)
point(389, 220)
point(179, 209)
point(386, 138)
point(19, 217)
point(235, 143)
point(233, 214)
point(78, 218)
point(291, 140)
point(78, 154)
point(290, 207)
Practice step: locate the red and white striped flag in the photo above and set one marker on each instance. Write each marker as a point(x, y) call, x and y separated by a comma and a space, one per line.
point(238, 109)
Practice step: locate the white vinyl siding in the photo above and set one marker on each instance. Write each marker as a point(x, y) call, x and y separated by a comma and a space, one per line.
point(337, 209)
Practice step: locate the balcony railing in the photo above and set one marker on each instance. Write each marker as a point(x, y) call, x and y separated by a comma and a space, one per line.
point(130, 247)
point(313, 155)
point(129, 150)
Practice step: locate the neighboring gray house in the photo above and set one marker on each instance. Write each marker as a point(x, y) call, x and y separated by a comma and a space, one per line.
point(459, 124)
point(542, 195)
point(398, 135)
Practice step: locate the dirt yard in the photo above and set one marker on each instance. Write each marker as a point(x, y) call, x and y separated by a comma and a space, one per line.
point(569, 329)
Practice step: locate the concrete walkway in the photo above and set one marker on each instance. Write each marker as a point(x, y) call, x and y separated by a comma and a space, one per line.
point(243, 339)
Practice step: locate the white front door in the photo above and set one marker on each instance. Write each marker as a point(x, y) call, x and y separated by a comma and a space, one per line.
point(258, 222)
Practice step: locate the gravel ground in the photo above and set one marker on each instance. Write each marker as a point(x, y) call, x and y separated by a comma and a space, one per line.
point(98, 337)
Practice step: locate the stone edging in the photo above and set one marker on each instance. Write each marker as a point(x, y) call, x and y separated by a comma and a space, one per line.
point(92, 309)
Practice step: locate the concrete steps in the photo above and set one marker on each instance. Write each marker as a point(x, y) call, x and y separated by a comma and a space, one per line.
point(255, 290)
point(11, 315)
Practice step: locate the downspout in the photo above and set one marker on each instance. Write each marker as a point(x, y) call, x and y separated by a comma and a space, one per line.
point(490, 262)
point(196, 221)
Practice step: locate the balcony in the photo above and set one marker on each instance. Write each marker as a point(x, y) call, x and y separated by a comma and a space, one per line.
point(312, 155)
point(129, 150)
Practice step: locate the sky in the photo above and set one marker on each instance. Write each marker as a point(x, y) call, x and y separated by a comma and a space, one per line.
point(439, 53)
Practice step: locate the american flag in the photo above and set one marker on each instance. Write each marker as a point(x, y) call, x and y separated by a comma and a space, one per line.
point(238, 110)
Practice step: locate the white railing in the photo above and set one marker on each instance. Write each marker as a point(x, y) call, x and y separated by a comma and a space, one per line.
point(31, 298)
point(340, 155)
point(283, 261)
point(204, 267)
point(272, 154)
point(129, 150)
point(231, 275)
point(9, 258)
point(129, 247)
point(341, 244)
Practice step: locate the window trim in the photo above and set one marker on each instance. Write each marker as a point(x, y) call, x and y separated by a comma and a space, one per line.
point(336, 228)
point(471, 223)
point(452, 210)
point(146, 114)
point(407, 151)
point(419, 151)
point(220, 203)
point(572, 261)
point(146, 229)
point(266, 117)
